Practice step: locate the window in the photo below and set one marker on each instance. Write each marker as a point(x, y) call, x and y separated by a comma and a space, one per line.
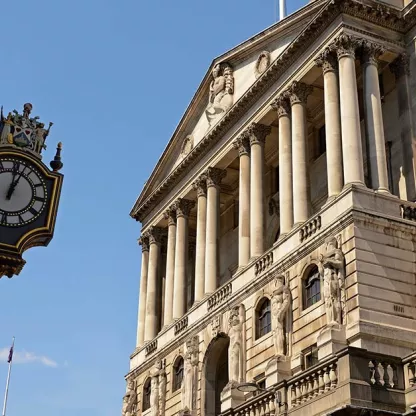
point(264, 319)
point(177, 374)
point(311, 356)
point(146, 394)
point(321, 141)
point(312, 288)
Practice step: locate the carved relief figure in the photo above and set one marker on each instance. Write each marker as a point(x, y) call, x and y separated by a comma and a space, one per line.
point(129, 400)
point(280, 305)
point(221, 92)
point(263, 62)
point(161, 374)
point(236, 348)
point(190, 368)
point(331, 268)
point(187, 145)
point(154, 396)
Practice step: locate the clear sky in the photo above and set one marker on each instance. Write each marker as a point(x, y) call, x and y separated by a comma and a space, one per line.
point(115, 78)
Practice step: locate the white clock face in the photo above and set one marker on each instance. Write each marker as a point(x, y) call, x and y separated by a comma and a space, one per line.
point(23, 192)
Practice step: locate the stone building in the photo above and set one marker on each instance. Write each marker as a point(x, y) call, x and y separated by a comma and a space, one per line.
point(279, 228)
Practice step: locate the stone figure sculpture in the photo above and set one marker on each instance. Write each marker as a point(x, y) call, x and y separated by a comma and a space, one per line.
point(161, 374)
point(129, 400)
point(154, 396)
point(280, 304)
point(190, 368)
point(221, 92)
point(236, 348)
point(331, 268)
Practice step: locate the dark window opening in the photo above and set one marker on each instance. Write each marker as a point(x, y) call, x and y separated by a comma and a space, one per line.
point(264, 319)
point(311, 356)
point(147, 389)
point(321, 141)
point(312, 288)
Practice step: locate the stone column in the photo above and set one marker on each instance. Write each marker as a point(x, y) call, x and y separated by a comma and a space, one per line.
point(329, 63)
point(182, 208)
point(352, 151)
point(151, 328)
point(282, 106)
point(400, 68)
point(257, 133)
point(200, 186)
point(242, 144)
point(170, 215)
point(298, 95)
point(374, 117)
point(144, 242)
point(213, 178)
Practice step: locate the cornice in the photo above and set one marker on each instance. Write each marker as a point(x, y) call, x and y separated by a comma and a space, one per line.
point(369, 11)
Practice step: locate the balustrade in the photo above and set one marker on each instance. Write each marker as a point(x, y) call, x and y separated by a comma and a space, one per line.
point(383, 374)
point(181, 325)
point(219, 296)
point(260, 405)
point(263, 263)
point(151, 347)
point(310, 228)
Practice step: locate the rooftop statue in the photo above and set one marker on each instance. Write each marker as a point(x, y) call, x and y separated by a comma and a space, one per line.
point(23, 131)
point(221, 92)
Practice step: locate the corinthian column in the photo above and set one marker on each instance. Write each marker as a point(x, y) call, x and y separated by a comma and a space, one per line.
point(329, 63)
point(242, 144)
point(352, 151)
point(154, 234)
point(144, 242)
point(298, 95)
point(182, 208)
point(200, 186)
point(170, 215)
point(282, 106)
point(257, 133)
point(213, 178)
point(374, 117)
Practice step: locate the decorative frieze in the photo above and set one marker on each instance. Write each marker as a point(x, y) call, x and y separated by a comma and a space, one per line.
point(263, 263)
point(151, 347)
point(220, 296)
point(310, 228)
point(181, 325)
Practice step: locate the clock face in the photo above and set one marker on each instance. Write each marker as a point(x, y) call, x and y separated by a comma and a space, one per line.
point(23, 193)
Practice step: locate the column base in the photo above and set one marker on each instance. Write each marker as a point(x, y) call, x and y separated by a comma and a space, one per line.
point(384, 191)
point(355, 183)
point(330, 199)
point(331, 340)
point(277, 369)
point(231, 397)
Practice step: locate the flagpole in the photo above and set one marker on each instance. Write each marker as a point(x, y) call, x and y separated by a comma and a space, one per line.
point(8, 379)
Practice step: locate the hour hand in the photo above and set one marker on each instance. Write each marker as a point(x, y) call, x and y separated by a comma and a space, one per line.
point(12, 186)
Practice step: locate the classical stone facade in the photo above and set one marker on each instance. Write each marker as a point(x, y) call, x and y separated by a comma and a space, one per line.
point(279, 227)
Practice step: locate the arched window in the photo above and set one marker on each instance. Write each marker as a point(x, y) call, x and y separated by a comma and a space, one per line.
point(312, 288)
point(264, 318)
point(147, 388)
point(177, 374)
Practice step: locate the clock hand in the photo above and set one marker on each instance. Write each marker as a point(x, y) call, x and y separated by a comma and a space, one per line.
point(13, 185)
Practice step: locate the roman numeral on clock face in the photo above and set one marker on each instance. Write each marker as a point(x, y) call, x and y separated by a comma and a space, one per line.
point(33, 211)
point(39, 198)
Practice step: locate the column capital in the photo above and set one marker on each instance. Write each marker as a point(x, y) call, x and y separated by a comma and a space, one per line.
point(282, 105)
point(170, 215)
point(298, 92)
point(214, 176)
point(257, 133)
point(242, 144)
point(154, 234)
point(144, 242)
point(183, 207)
point(400, 66)
point(345, 45)
point(200, 186)
point(327, 60)
point(370, 52)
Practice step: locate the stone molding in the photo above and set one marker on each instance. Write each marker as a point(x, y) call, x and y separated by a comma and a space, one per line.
point(282, 105)
point(214, 176)
point(144, 242)
point(384, 16)
point(327, 60)
point(400, 66)
point(298, 92)
point(242, 144)
point(183, 207)
point(370, 52)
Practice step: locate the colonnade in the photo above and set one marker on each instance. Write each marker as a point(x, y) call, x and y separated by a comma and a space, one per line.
point(344, 166)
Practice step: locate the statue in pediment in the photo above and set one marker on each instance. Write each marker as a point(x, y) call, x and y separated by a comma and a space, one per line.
point(221, 92)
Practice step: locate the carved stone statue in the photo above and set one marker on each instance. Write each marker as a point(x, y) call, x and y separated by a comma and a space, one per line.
point(280, 305)
point(331, 268)
point(158, 389)
point(129, 400)
point(190, 368)
point(221, 92)
point(236, 349)
point(40, 136)
point(154, 396)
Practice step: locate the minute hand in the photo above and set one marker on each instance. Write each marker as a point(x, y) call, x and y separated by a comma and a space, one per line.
point(13, 187)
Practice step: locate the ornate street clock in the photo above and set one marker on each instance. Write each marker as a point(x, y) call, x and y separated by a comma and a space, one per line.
point(29, 191)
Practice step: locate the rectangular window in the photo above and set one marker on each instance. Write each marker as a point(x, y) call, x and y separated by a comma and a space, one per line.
point(311, 356)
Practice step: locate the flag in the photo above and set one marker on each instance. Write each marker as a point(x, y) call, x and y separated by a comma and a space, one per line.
point(9, 360)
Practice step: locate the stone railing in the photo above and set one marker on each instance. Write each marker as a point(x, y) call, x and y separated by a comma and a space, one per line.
point(219, 296)
point(310, 228)
point(181, 325)
point(383, 374)
point(314, 384)
point(408, 212)
point(261, 405)
point(410, 367)
point(151, 347)
point(263, 263)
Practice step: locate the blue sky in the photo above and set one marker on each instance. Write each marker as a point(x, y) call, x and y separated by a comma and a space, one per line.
point(115, 78)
